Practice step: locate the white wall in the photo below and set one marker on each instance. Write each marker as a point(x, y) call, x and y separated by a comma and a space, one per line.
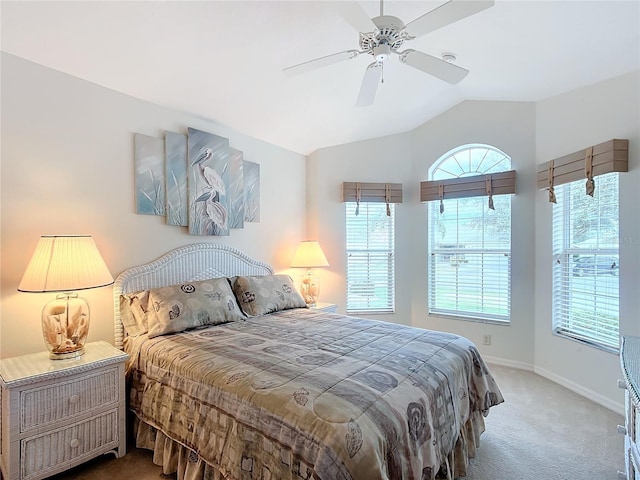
point(405, 158)
point(67, 167)
point(565, 124)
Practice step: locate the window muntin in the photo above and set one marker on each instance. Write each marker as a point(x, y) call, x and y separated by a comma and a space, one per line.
point(586, 262)
point(370, 258)
point(469, 245)
point(468, 160)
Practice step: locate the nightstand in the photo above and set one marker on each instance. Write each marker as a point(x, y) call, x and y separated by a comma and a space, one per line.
point(325, 307)
point(57, 414)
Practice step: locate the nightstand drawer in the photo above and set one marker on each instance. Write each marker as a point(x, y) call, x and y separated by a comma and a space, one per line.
point(68, 446)
point(62, 400)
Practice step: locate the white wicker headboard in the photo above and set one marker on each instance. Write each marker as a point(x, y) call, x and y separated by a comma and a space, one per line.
point(197, 261)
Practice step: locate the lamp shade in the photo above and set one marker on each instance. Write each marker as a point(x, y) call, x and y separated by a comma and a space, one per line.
point(309, 255)
point(64, 264)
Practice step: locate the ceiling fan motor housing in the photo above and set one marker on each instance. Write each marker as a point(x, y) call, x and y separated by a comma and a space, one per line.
point(388, 37)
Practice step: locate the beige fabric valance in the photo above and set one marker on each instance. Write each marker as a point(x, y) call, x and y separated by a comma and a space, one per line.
point(607, 157)
point(372, 193)
point(478, 185)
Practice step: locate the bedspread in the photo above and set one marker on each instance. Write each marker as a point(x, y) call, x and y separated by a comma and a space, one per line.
point(306, 394)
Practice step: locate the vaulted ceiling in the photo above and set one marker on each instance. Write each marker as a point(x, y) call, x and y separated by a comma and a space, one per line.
point(223, 60)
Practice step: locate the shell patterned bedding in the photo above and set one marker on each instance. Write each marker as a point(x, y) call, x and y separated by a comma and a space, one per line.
point(302, 394)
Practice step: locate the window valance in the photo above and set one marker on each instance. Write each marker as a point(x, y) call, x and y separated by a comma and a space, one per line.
point(490, 184)
point(606, 157)
point(371, 193)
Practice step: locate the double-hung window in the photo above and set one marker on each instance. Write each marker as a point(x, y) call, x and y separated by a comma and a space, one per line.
point(586, 262)
point(370, 258)
point(469, 244)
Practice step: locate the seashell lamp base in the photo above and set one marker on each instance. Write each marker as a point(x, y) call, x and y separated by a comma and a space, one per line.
point(310, 289)
point(65, 326)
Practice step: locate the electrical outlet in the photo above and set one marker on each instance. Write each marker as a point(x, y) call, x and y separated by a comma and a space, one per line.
point(486, 339)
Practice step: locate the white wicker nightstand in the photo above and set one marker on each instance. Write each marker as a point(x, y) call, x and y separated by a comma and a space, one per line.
point(325, 307)
point(630, 361)
point(57, 414)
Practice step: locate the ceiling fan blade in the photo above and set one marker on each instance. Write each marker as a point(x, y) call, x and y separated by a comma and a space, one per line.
point(433, 66)
point(355, 16)
point(369, 85)
point(320, 62)
point(447, 13)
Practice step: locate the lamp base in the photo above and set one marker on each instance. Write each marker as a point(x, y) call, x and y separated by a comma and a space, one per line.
point(66, 355)
point(65, 326)
point(310, 289)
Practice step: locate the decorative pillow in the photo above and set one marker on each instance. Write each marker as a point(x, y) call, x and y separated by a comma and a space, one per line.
point(192, 304)
point(263, 294)
point(133, 312)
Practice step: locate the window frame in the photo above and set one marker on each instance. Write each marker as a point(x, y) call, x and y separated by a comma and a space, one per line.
point(565, 251)
point(351, 305)
point(454, 158)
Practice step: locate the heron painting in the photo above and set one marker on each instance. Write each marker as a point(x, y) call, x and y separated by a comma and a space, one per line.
point(208, 165)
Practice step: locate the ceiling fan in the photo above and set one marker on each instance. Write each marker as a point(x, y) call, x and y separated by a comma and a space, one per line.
point(383, 36)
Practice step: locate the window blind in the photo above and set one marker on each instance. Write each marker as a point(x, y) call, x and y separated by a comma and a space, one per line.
point(470, 259)
point(370, 258)
point(586, 263)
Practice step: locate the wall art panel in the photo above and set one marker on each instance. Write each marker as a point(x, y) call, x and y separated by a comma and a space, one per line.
point(209, 158)
point(236, 189)
point(251, 174)
point(149, 174)
point(176, 178)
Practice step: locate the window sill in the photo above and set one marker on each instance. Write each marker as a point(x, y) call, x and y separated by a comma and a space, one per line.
point(448, 316)
point(370, 312)
point(590, 343)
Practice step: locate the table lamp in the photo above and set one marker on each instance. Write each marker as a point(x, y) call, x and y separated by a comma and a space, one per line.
point(309, 255)
point(65, 263)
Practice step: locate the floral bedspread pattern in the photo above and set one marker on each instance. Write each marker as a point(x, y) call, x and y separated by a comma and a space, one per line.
point(305, 394)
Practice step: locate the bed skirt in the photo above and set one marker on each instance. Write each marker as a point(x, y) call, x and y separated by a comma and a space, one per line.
point(174, 457)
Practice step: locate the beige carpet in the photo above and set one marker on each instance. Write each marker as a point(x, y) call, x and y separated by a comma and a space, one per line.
point(542, 432)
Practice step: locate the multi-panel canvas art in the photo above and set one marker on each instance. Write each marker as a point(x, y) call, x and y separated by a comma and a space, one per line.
point(149, 174)
point(196, 180)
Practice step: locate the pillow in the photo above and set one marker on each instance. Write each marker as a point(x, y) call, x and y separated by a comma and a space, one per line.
point(263, 294)
point(192, 304)
point(133, 312)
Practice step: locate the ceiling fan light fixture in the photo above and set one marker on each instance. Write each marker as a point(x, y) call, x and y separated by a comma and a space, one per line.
point(381, 52)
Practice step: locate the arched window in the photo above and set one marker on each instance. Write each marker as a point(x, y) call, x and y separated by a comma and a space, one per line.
point(469, 244)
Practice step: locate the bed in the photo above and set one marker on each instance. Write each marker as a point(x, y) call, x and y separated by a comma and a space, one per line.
point(288, 392)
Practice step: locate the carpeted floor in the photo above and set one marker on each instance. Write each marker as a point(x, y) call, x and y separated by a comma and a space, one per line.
point(542, 432)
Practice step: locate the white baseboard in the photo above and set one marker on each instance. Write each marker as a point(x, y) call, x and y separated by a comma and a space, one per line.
point(573, 386)
point(508, 363)
point(580, 390)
